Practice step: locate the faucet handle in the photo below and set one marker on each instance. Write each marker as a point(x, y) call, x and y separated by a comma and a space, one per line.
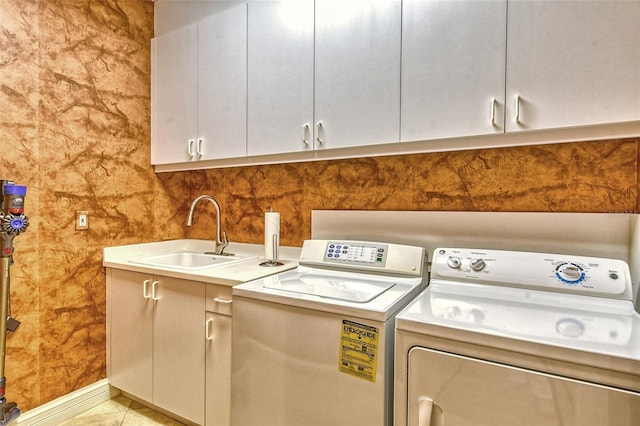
point(221, 245)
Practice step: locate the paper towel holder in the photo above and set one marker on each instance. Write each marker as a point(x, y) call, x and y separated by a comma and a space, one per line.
point(273, 262)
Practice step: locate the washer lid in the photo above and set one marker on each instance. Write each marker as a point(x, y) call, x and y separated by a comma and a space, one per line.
point(368, 296)
point(348, 289)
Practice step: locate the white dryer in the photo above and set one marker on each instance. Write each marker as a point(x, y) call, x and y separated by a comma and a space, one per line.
point(515, 338)
point(314, 345)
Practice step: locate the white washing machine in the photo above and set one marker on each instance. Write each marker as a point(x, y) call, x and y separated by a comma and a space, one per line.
point(515, 338)
point(314, 345)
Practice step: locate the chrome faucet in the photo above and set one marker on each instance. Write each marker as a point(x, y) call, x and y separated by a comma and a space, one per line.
point(221, 244)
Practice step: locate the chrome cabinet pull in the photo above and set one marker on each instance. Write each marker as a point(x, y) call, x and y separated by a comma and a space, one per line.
point(154, 296)
point(221, 300)
point(145, 292)
point(199, 147)
point(207, 329)
point(190, 147)
point(493, 112)
point(517, 117)
point(305, 131)
point(318, 129)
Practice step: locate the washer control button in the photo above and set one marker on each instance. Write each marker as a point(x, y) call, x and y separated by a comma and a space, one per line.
point(477, 264)
point(453, 262)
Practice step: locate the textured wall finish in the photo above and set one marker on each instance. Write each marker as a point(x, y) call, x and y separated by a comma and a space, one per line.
point(75, 128)
point(19, 161)
point(577, 177)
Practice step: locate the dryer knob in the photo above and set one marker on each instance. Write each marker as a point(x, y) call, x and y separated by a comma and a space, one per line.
point(477, 264)
point(453, 262)
point(571, 271)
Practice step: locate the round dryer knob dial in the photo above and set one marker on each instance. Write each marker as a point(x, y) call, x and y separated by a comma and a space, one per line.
point(570, 273)
point(477, 264)
point(453, 262)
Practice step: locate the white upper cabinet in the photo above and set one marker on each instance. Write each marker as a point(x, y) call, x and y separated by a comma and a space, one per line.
point(280, 77)
point(174, 95)
point(236, 81)
point(572, 63)
point(222, 81)
point(357, 72)
point(199, 81)
point(453, 68)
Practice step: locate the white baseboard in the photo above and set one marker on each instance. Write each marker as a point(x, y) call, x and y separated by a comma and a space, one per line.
point(68, 406)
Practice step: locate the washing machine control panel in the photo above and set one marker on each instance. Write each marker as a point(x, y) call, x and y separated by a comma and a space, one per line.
point(370, 256)
point(540, 271)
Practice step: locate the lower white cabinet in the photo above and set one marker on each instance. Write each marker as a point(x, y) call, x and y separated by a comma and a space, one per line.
point(165, 348)
point(218, 356)
point(218, 368)
point(178, 347)
point(130, 332)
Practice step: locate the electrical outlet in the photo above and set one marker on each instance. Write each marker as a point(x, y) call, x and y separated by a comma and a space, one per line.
point(82, 220)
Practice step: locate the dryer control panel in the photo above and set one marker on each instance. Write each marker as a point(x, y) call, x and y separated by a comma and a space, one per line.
point(539, 271)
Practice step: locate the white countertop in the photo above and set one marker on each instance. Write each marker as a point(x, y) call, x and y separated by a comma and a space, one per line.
point(118, 257)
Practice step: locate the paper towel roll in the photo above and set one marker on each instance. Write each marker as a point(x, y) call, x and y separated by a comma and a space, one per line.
point(271, 228)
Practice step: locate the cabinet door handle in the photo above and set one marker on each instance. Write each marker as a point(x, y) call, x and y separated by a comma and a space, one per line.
point(145, 291)
point(318, 129)
point(199, 147)
point(221, 300)
point(207, 329)
point(154, 296)
point(493, 112)
point(190, 147)
point(305, 131)
point(517, 116)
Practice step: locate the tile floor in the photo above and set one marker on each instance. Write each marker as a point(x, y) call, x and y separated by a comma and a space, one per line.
point(121, 411)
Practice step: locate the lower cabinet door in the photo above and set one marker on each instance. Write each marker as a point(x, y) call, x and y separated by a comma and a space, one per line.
point(130, 331)
point(179, 347)
point(218, 366)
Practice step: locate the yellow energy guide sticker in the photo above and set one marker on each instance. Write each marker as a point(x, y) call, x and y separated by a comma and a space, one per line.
point(359, 350)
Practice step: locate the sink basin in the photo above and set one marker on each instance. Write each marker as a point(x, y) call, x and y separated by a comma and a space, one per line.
point(189, 260)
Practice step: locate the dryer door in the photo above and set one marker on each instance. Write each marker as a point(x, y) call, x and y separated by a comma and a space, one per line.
point(453, 390)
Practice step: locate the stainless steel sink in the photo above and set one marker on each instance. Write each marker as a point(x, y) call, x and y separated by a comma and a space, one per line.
point(189, 260)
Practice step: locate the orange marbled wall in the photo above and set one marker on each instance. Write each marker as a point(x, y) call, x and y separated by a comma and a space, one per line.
point(75, 128)
point(598, 176)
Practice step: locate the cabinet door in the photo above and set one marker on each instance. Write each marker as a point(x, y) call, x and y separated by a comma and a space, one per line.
point(453, 66)
point(222, 81)
point(572, 63)
point(130, 332)
point(357, 72)
point(174, 95)
point(179, 348)
point(280, 77)
point(218, 365)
